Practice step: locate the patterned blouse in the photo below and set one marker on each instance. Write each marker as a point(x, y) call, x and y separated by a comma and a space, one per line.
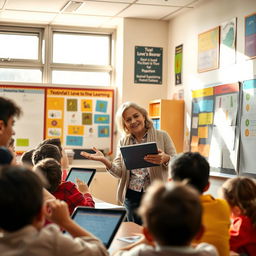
point(139, 178)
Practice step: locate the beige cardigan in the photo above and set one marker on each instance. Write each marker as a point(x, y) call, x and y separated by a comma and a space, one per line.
point(118, 169)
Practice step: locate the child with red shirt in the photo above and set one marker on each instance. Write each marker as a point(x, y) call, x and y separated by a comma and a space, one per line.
point(74, 195)
point(240, 193)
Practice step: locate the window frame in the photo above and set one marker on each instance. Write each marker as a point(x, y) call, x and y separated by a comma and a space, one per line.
point(45, 52)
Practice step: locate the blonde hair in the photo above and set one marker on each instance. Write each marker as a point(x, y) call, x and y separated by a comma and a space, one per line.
point(120, 120)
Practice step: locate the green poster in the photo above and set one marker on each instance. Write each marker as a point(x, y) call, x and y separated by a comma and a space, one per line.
point(178, 64)
point(148, 65)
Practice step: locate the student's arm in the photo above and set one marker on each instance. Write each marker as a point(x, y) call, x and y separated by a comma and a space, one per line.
point(57, 212)
point(47, 195)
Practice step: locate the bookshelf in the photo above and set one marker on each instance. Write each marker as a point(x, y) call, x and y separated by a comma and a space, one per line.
point(168, 115)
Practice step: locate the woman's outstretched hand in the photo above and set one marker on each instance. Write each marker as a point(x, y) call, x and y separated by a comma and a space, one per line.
point(97, 156)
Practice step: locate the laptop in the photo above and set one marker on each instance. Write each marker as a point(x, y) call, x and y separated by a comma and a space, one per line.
point(102, 223)
point(84, 174)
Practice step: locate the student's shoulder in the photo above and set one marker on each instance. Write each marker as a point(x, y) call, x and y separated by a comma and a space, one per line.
point(206, 249)
point(139, 250)
point(208, 201)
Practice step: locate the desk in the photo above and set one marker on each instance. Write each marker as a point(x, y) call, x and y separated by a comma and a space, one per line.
point(126, 229)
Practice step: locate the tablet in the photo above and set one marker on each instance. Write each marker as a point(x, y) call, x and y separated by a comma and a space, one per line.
point(84, 174)
point(102, 223)
point(133, 155)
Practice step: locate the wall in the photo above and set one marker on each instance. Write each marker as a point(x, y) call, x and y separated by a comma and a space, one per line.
point(140, 32)
point(184, 29)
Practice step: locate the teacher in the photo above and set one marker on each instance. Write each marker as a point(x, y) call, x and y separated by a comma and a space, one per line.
point(134, 123)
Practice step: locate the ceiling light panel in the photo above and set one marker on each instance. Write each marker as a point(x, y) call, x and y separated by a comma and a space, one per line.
point(36, 5)
point(147, 11)
point(102, 9)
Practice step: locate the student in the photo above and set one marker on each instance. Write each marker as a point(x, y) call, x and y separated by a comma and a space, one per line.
point(8, 111)
point(46, 151)
point(67, 191)
point(64, 157)
point(171, 215)
point(240, 193)
point(216, 213)
point(26, 158)
point(22, 217)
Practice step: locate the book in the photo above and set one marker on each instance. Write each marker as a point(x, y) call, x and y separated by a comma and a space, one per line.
point(133, 155)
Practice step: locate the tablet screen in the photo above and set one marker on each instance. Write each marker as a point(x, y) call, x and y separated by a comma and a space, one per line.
point(84, 174)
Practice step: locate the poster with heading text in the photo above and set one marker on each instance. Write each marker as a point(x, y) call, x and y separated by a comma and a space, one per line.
point(82, 118)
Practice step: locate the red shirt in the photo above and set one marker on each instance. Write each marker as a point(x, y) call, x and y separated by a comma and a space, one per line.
point(243, 236)
point(68, 192)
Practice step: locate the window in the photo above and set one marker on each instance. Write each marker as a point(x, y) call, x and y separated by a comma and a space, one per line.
point(82, 59)
point(21, 55)
point(48, 55)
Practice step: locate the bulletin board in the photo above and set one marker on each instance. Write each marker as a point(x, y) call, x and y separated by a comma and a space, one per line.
point(248, 128)
point(29, 128)
point(215, 126)
point(81, 118)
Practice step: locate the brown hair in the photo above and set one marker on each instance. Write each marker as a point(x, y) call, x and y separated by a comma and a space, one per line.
point(51, 170)
point(172, 213)
point(241, 192)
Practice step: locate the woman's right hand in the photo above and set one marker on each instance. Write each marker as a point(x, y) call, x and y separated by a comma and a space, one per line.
point(97, 156)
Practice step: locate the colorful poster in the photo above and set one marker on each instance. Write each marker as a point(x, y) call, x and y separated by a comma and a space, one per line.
point(82, 118)
point(214, 126)
point(250, 35)
point(178, 64)
point(228, 43)
point(208, 50)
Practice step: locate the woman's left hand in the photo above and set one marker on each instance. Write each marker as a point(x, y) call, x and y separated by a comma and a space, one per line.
point(160, 158)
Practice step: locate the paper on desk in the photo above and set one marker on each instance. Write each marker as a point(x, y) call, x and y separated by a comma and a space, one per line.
point(129, 239)
point(104, 205)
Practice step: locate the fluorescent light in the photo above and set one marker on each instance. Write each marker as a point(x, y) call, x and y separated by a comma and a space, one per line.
point(71, 6)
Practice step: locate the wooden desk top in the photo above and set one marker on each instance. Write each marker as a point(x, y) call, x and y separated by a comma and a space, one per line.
point(126, 229)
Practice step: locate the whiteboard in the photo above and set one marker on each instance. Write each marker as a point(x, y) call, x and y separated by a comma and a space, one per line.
point(29, 128)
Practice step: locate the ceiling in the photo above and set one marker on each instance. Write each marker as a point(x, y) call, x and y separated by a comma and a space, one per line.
point(91, 13)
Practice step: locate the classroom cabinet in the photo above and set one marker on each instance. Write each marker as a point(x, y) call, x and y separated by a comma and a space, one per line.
point(104, 187)
point(168, 115)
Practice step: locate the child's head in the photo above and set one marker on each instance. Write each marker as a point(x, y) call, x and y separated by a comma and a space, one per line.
point(46, 151)
point(26, 158)
point(21, 197)
point(240, 193)
point(8, 110)
point(57, 142)
point(51, 170)
point(52, 141)
point(171, 213)
point(193, 167)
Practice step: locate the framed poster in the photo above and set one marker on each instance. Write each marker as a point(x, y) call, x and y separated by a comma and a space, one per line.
point(208, 50)
point(250, 35)
point(148, 65)
point(228, 43)
point(178, 64)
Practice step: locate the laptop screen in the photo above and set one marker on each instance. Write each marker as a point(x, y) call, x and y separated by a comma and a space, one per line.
point(102, 223)
point(84, 174)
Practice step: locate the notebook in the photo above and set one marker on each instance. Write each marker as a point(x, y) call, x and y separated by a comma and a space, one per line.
point(103, 223)
point(133, 155)
point(84, 174)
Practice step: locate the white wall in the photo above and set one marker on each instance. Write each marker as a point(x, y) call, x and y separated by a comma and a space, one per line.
point(184, 29)
point(140, 32)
